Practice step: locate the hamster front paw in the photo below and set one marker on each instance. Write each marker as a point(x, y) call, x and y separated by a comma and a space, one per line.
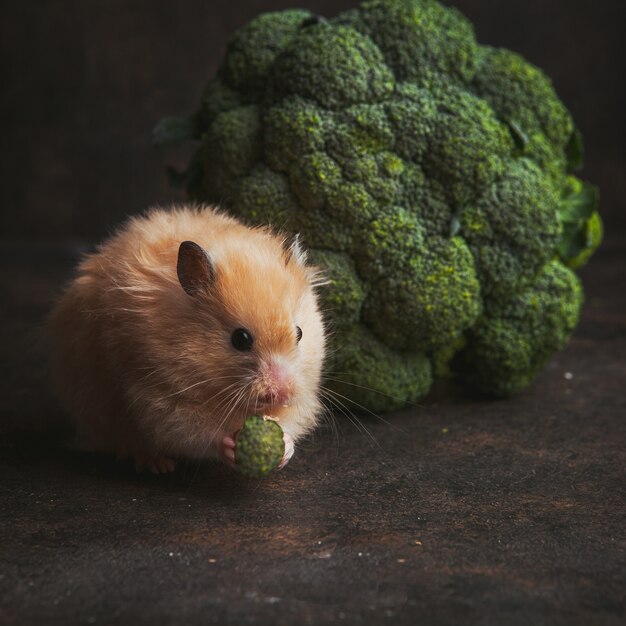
point(227, 450)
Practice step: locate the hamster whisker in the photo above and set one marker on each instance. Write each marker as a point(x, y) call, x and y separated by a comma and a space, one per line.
point(202, 382)
point(231, 403)
point(213, 439)
point(343, 408)
point(230, 394)
point(336, 394)
point(329, 419)
point(225, 390)
point(244, 380)
point(355, 421)
point(151, 373)
point(360, 406)
point(366, 388)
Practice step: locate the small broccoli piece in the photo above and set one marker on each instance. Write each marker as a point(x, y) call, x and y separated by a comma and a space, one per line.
point(413, 115)
point(524, 98)
point(293, 128)
point(515, 337)
point(429, 176)
point(260, 446)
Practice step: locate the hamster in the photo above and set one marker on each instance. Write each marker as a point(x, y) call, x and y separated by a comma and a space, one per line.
point(179, 327)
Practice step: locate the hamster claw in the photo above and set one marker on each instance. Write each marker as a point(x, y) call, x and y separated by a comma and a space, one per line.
point(227, 450)
point(289, 450)
point(155, 465)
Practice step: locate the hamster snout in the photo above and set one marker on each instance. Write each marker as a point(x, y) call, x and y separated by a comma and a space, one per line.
point(276, 385)
point(179, 327)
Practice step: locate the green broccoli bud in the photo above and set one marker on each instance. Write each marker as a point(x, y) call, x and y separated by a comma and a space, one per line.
point(260, 447)
point(419, 38)
point(232, 146)
point(467, 146)
point(516, 336)
point(513, 228)
point(333, 66)
point(343, 293)
point(293, 128)
point(253, 50)
point(520, 92)
point(413, 116)
point(368, 375)
point(430, 296)
point(264, 197)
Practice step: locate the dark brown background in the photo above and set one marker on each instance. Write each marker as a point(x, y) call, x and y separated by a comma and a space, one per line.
point(84, 82)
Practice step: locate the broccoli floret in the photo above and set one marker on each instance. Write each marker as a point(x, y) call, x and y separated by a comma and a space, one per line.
point(263, 196)
point(260, 446)
point(513, 228)
point(418, 38)
point(522, 94)
point(467, 145)
point(344, 292)
point(253, 49)
point(333, 66)
point(232, 146)
point(424, 290)
point(515, 337)
point(430, 176)
point(374, 377)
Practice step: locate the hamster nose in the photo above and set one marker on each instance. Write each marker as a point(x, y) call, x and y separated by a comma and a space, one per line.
point(279, 375)
point(278, 384)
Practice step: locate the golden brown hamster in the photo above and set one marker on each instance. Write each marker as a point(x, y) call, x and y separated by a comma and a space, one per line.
point(179, 327)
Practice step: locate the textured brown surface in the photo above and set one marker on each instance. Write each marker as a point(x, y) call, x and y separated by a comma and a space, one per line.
point(461, 510)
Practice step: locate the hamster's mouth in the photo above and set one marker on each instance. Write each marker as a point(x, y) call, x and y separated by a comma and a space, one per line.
point(268, 407)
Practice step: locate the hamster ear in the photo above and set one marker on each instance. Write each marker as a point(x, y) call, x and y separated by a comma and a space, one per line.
point(293, 250)
point(194, 268)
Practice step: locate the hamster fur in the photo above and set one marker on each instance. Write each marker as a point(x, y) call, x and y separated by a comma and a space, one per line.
point(143, 350)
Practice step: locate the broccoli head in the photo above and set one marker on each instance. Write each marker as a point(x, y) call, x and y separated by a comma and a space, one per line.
point(431, 177)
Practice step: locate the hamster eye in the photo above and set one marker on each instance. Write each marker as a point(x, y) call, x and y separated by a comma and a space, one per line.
point(298, 333)
point(242, 340)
